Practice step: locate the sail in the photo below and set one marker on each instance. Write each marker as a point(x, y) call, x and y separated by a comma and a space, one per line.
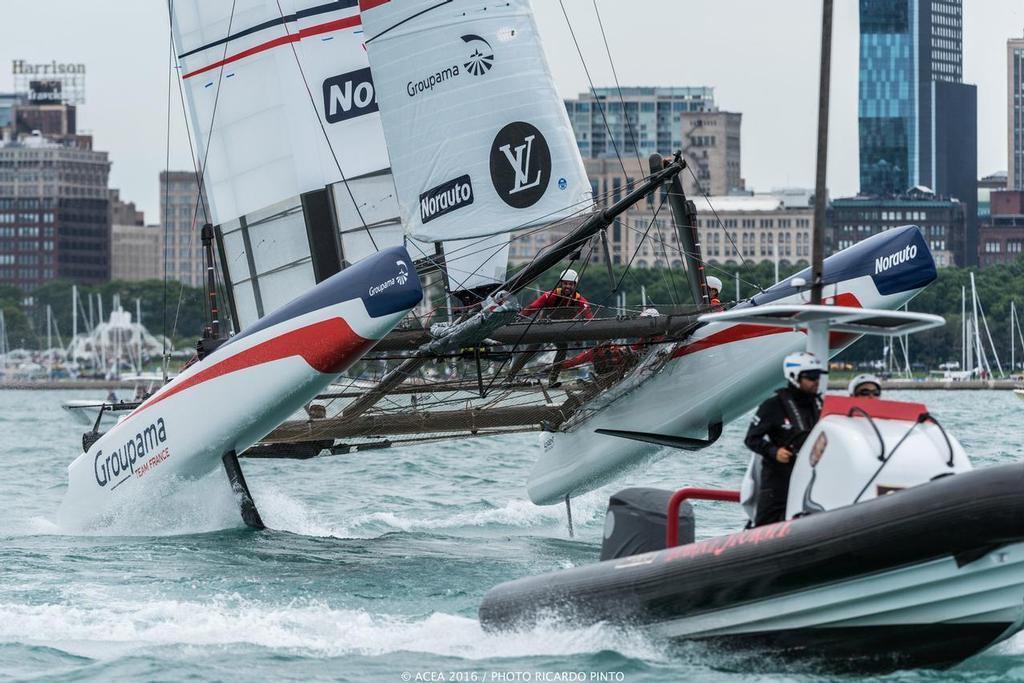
point(479, 141)
point(283, 105)
point(263, 139)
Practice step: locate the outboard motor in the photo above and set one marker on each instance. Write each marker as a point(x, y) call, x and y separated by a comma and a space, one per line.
point(635, 522)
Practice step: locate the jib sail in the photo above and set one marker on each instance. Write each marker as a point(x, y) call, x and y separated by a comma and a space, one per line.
point(480, 142)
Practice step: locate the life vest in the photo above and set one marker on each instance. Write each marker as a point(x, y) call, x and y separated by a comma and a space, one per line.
point(796, 418)
point(557, 291)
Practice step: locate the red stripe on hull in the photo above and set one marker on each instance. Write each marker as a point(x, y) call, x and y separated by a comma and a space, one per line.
point(370, 4)
point(328, 27)
point(329, 347)
point(744, 331)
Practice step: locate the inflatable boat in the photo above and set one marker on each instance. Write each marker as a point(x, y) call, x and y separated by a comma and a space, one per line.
point(894, 554)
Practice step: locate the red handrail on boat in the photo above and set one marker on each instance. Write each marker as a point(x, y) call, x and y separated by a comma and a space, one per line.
point(688, 493)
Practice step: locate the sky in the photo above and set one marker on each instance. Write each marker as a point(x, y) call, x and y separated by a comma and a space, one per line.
point(760, 56)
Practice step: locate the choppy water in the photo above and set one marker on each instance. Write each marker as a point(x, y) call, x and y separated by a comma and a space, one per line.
point(376, 567)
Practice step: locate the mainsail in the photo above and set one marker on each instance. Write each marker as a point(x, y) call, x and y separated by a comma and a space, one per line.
point(479, 140)
point(285, 116)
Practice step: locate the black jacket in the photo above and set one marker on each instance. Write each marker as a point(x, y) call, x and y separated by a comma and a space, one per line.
point(774, 426)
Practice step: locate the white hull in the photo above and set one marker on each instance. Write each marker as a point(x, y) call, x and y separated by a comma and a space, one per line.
point(238, 394)
point(716, 382)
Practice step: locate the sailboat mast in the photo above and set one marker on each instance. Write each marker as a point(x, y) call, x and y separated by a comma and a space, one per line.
point(974, 317)
point(963, 328)
point(74, 312)
point(818, 241)
point(1013, 339)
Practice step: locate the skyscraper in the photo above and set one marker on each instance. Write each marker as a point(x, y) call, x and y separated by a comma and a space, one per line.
point(610, 123)
point(54, 213)
point(918, 120)
point(1015, 112)
point(181, 221)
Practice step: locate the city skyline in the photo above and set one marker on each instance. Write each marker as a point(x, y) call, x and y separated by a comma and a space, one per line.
point(126, 99)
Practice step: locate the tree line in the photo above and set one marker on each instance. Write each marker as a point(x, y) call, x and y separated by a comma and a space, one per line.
point(997, 286)
point(25, 316)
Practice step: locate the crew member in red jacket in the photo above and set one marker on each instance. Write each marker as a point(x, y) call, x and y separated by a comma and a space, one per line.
point(564, 302)
point(714, 290)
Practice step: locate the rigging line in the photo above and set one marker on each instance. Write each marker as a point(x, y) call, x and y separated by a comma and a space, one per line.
point(641, 243)
point(593, 90)
point(705, 263)
point(674, 292)
point(327, 138)
point(164, 356)
point(522, 228)
point(430, 258)
point(615, 76)
point(206, 155)
point(670, 284)
point(704, 194)
point(583, 271)
point(533, 319)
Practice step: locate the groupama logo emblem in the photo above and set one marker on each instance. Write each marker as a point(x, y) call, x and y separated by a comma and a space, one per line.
point(403, 272)
point(482, 58)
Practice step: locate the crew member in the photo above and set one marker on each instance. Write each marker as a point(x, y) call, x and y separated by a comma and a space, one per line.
point(561, 303)
point(867, 386)
point(779, 429)
point(564, 301)
point(714, 289)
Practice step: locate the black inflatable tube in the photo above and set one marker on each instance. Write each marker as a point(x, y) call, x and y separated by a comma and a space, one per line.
point(962, 516)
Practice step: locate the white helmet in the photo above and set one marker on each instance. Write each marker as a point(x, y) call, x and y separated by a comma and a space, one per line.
point(797, 363)
point(714, 283)
point(569, 275)
point(863, 379)
point(649, 313)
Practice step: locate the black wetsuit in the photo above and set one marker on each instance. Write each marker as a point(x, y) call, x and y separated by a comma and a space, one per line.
point(782, 421)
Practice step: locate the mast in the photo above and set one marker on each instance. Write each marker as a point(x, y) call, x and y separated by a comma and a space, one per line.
point(138, 329)
point(977, 333)
point(74, 312)
point(1013, 339)
point(963, 328)
point(818, 242)
point(991, 344)
point(684, 214)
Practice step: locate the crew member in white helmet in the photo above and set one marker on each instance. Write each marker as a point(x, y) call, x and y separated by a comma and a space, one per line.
point(779, 429)
point(562, 302)
point(714, 290)
point(866, 386)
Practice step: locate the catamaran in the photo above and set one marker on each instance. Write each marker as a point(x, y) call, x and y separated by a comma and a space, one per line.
point(329, 134)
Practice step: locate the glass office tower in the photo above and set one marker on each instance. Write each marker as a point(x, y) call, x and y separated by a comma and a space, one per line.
point(918, 120)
